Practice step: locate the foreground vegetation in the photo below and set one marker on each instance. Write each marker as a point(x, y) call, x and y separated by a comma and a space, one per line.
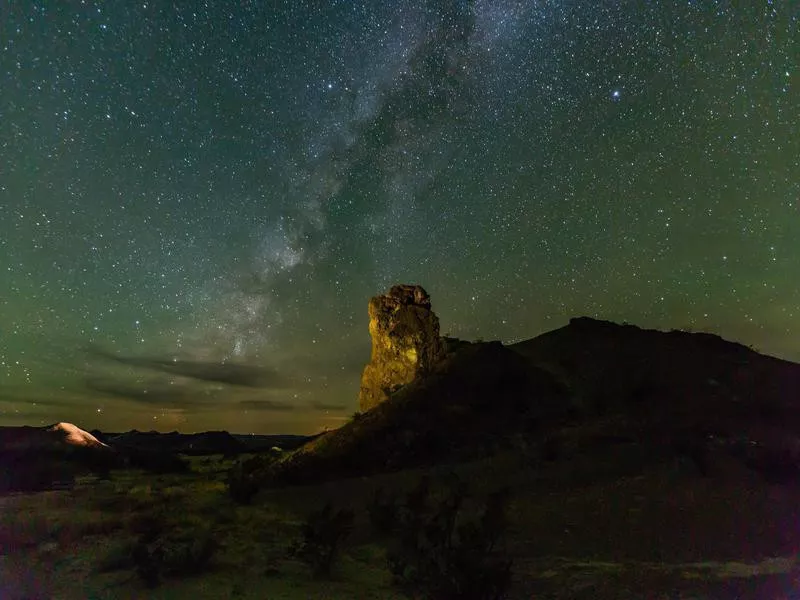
point(511, 526)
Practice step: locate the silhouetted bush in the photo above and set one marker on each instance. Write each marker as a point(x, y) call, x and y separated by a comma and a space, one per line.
point(101, 526)
point(552, 449)
point(323, 533)
point(438, 554)
point(157, 462)
point(148, 561)
point(103, 474)
point(98, 462)
point(383, 512)
point(148, 526)
point(173, 554)
point(693, 450)
point(119, 558)
point(191, 554)
point(777, 460)
point(242, 484)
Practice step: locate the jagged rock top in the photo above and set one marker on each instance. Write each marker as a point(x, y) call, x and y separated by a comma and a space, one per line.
point(409, 294)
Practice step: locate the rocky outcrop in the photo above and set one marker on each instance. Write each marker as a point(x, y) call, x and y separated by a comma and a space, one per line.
point(405, 342)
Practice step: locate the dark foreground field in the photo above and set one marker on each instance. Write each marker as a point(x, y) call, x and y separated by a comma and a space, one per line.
point(575, 531)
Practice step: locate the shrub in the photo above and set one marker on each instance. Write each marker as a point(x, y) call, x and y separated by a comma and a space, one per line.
point(119, 558)
point(101, 526)
point(382, 513)
point(103, 474)
point(157, 462)
point(98, 461)
point(323, 533)
point(148, 526)
point(438, 554)
point(242, 484)
point(147, 560)
point(22, 531)
point(187, 553)
point(552, 449)
point(190, 554)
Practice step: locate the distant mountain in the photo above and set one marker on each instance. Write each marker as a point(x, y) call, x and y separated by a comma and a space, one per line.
point(204, 443)
point(612, 391)
point(38, 458)
point(16, 439)
point(75, 436)
point(51, 437)
point(209, 442)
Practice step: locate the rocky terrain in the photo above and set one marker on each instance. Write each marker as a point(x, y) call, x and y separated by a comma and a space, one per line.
point(592, 386)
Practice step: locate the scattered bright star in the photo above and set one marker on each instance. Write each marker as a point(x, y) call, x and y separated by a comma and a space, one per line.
point(177, 195)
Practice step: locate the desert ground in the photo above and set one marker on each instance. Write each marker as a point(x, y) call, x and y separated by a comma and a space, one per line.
point(574, 531)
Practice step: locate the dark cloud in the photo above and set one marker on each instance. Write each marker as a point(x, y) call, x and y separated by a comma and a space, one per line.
point(26, 416)
point(220, 372)
point(14, 398)
point(151, 393)
point(266, 405)
point(334, 361)
point(327, 406)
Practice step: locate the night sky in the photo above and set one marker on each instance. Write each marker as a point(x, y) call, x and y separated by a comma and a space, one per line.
point(197, 201)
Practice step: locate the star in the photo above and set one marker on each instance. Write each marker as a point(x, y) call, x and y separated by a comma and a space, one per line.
point(185, 193)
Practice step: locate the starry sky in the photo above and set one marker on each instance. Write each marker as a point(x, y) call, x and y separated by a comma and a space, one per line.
point(198, 199)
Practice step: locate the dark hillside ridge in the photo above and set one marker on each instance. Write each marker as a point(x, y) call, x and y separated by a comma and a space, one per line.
point(676, 374)
point(587, 387)
point(210, 442)
point(43, 458)
point(26, 439)
point(469, 406)
point(204, 443)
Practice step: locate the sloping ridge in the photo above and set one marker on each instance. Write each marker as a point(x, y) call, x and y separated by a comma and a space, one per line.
point(207, 442)
point(51, 437)
point(695, 378)
point(466, 408)
point(75, 436)
point(40, 458)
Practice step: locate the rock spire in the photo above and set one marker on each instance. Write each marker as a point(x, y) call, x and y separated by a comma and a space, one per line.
point(405, 342)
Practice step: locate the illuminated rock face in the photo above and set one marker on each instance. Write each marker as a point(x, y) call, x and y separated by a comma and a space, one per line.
point(405, 342)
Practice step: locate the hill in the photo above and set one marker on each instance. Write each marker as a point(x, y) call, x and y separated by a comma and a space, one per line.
point(209, 442)
point(465, 408)
point(38, 458)
point(591, 387)
point(202, 443)
point(696, 376)
point(75, 436)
